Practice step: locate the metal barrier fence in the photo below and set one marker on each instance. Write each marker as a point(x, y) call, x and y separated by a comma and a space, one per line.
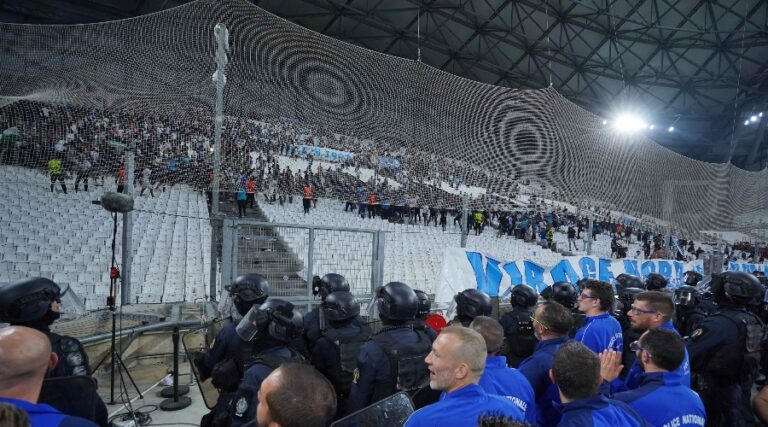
point(289, 255)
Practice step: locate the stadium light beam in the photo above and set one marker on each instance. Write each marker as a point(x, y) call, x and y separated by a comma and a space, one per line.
point(629, 124)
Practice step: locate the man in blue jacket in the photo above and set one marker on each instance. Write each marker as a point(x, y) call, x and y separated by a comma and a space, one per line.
point(652, 310)
point(456, 362)
point(25, 357)
point(499, 379)
point(661, 397)
point(576, 372)
point(601, 331)
point(551, 324)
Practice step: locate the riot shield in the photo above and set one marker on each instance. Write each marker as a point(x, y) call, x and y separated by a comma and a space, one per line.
point(195, 342)
point(392, 411)
point(59, 392)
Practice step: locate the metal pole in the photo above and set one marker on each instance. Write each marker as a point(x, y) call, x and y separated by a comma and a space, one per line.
point(464, 213)
point(590, 225)
point(222, 47)
point(310, 261)
point(125, 281)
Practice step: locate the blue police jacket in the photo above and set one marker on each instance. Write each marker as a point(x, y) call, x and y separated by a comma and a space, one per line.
point(227, 344)
point(600, 333)
point(462, 408)
point(42, 415)
point(663, 399)
point(509, 383)
point(635, 374)
point(536, 370)
point(373, 368)
point(245, 401)
point(599, 411)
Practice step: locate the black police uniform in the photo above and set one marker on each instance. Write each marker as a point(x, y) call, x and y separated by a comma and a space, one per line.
point(518, 335)
point(393, 360)
point(243, 405)
point(226, 361)
point(518, 326)
point(270, 327)
point(721, 351)
point(335, 356)
point(27, 303)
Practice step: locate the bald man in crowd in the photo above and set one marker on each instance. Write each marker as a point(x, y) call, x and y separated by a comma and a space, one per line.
point(456, 363)
point(295, 395)
point(25, 357)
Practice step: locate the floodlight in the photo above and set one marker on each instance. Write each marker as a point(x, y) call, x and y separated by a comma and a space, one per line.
point(671, 129)
point(627, 123)
point(753, 119)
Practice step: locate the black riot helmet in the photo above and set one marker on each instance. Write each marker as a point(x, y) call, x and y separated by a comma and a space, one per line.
point(655, 282)
point(28, 300)
point(692, 278)
point(250, 287)
point(424, 304)
point(396, 301)
point(471, 303)
point(328, 284)
point(563, 293)
point(741, 286)
point(285, 322)
point(523, 296)
point(625, 280)
point(339, 306)
point(687, 296)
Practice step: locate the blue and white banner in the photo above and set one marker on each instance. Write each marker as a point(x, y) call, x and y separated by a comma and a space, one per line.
point(464, 269)
point(389, 162)
point(320, 153)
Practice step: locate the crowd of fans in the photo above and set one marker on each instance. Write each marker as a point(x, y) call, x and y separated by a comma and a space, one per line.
point(86, 144)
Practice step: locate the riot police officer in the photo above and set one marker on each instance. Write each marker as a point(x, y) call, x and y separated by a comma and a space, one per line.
point(688, 310)
point(471, 303)
point(335, 352)
point(565, 294)
point(518, 326)
point(724, 349)
point(692, 278)
point(36, 303)
point(269, 328)
point(393, 360)
point(314, 321)
point(425, 305)
point(655, 282)
point(225, 362)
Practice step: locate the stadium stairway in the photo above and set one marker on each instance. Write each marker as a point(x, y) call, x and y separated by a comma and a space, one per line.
point(68, 239)
point(262, 250)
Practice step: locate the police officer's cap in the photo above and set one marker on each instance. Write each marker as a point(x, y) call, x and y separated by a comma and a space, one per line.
point(523, 296)
point(285, 322)
point(249, 287)
point(739, 284)
point(424, 303)
point(329, 283)
point(27, 300)
point(655, 282)
point(340, 305)
point(397, 301)
point(471, 303)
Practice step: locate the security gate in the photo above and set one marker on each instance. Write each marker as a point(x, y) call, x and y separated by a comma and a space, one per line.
point(290, 255)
